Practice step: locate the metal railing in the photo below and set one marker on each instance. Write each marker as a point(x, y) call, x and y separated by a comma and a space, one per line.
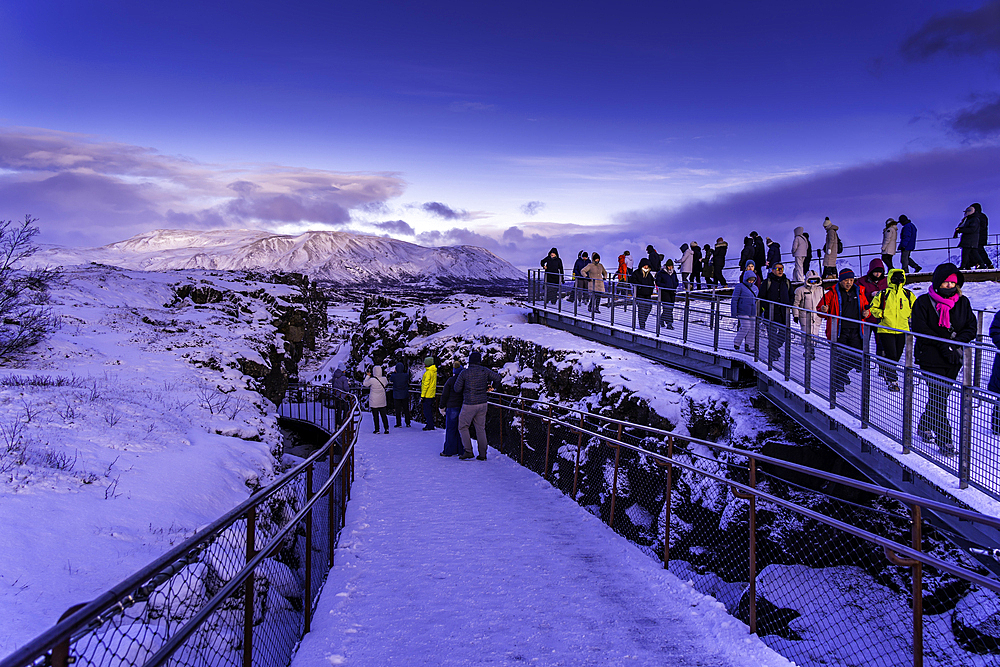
point(241, 591)
point(725, 519)
point(953, 422)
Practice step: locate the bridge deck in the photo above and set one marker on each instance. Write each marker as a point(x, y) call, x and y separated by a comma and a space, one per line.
point(448, 562)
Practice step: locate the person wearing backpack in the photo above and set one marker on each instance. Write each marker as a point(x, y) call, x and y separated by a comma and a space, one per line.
point(376, 384)
point(889, 243)
point(831, 249)
point(907, 244)
point(666, 281)
point(892, 307)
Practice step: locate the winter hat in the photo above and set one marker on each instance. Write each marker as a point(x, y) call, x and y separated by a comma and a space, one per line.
point(719, 240)
point(889, 222)
point(626, 253)
point(903, 219)
point(455, 365)
point(944, 272)
point(643, 262)
point(553, 251)
point(845, 274)
point(475, 357)
point(596, 256)
point(684, 247)
point(650, 248)
point(429, 361)
point(670, 263)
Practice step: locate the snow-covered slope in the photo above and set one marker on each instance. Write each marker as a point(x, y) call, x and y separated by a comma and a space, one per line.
point(340, 256)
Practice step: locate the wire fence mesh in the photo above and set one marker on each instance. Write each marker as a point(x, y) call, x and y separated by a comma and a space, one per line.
point(241, 592)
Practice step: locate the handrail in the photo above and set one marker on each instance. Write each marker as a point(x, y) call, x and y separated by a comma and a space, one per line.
point(140, 585)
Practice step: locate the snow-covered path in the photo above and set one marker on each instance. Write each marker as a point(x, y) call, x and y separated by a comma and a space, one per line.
point(449, 562)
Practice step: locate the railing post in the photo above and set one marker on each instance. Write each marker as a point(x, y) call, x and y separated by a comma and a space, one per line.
point(576, 298)
point(60, 652)
point(502, 422)
point(666, 504)
point(659, 310)
point(611, 305)
point(866, 377)
point(918, 592)
point(548, 438)
point(788, 343)
point(807, 346)
point(331, 506)
point(977, 372)
point(576, 467)
point(756, 337)
point(965, 435)
point(752, 552)
point(908, 382)
point(248, 586)
point(833, 373)
point(523, 427)
point(716, 320)
point(687, 313)
point(307, 595)
point(614, 481)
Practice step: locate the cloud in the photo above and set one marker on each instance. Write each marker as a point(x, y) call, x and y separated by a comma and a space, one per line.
point(84, 190)
point(395, 227)
point(461, 107)
point(981, 119)
point(532, 207)
point(956, 33)
point(445, 212)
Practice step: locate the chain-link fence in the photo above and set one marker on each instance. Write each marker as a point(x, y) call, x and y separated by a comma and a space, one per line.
point(241, 592)
point(823, 567)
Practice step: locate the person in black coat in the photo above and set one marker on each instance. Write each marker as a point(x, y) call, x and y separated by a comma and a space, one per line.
point(582, 260)
point(746, 255)
point(759, 255)
point(553, 275)
point(695, 265)
point(773, 252)
point(668, 283)
point(969, 243)
point(809, 254)
point(944, 316)
point(719, 258)
point(401, 393)
point(655, 258)
point(644, 281)
point(777, 288)
point(451, 409)
point(984, 237)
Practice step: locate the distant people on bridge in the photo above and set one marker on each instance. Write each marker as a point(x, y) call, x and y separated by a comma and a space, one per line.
point(800, 254)
point(968, 229)
point(746, 255)
point(582, 260)
point(340, 383)
point(759, 255)
point(831, 248)
point(708, 264)
point(655, 258)
point(644, 281)
point(696, 267)
point(944, 313)
point(667, 281)
point(907, 243)
point(891, 307)
point(624, 266)
point(473, 384)
point(376, 384)
point(775, 296)
point(773, 252)
point(984, 238)
point(595, 275)
point(743, 307)
point(719, 259)
point(889, 235)
point(451, 409)
point(553, 275)
point(844, 306)
point(809, 254)
point(806, 299)
point(687, 262)
point(872, 282)
point(994, 384)
point(428, 389)
point(401, 393)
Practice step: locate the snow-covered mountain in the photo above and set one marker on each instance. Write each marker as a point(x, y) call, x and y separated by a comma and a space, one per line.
point(340, 256)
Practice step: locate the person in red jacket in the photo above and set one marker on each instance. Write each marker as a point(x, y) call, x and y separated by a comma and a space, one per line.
point(844, 306)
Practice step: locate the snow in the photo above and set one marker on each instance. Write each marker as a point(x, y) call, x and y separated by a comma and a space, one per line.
point(341, 256)
point(448, 562)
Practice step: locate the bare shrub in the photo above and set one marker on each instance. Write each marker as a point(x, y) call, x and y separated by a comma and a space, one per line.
point(24, 318)
point(213, 399)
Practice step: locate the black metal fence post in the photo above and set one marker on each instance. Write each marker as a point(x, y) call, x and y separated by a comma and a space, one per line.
point(908, 382)
point(965, 435)
point(866, 378)
point(833, 374)
point(788, 344)
point(687, 314)
point(251, 551)
point(717, 322)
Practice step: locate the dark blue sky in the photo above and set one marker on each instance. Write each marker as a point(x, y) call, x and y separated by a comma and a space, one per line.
point(511, 125)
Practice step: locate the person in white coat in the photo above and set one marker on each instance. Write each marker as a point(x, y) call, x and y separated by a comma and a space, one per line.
point(806, 299)
point(889, 236)
point(687, 263)
point(376, 384)
point(800, 250)
point(831, 248)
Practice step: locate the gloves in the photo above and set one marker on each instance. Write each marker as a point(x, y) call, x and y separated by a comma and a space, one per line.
point(796, 320)
point(953, 355)
point(441, 410)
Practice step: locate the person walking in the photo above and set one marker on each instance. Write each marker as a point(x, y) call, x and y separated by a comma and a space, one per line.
point(892, 308)
point(759, 255)
point(800, 254)
point(341, 385)
point(687, 261)
point(644, 281)
point(623, 268)
point(804, 304)
point(994, 385)
point(969, 243)
point(582, 260)
point(809, 254)
point(655, 258)
point(719, 259)
point(831, 248)
point(773, 252)
point(667, 281)
point(595, 274)
point(695, 265)
point(944, 316)
point(844, 306)
point(746, 255)
point(376, 384)
point(889, 242)
point(428, 389)
point(775, 296)
point(451, 408)
point(984, 238)
point(872, 282)
point(553, 275)
point(708, 265)
point(473, 384)
point(401, 393)
point(907, 244)
point(743, 307)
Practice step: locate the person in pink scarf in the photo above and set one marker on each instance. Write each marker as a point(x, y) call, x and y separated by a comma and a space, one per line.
point(944, 317)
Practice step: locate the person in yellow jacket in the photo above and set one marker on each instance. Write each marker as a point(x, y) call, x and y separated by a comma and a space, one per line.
point(892, 307)
point(428, 389)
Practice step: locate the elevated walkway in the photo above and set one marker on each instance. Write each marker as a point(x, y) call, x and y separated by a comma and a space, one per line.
point(448, 562)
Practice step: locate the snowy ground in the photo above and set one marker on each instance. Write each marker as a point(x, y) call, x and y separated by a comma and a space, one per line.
point(124, 432)
point(448, 562)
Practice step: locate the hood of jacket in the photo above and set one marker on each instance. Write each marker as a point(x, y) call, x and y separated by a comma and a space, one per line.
point(893, 272)
point(377, 371)
point(747, 275)
point(721, 244)
point(812, 274)
point(799, 230)
point(553, 250)
point(337, 373)
point(945, 270)
point(684, 247)
point(876, 264)
point(400, 367)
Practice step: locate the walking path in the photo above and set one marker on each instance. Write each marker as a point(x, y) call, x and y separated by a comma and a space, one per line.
point(448, 562)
